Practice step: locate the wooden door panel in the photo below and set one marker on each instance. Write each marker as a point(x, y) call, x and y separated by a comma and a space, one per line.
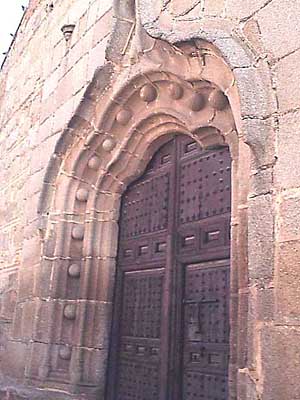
point(200, 386)
point(204, 185)
point(137, 381)
point(142, 255)
point(142, 302)
point(138, 369)
point(145, 207)
point(206, 329)
point(171, 323)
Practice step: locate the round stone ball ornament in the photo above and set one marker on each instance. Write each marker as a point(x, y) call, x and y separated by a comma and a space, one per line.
point(148, 93)
point(94, 162)
point(218, 100)
point(65, 353)
point(82, 195)
point(108, 144)
point(70, 311)
point(78, 233)
point(74, 271)
point(197, 102)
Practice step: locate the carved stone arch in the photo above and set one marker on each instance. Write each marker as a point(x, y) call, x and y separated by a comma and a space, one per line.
point(255, 108)
point(108, 144)
point(100, 94)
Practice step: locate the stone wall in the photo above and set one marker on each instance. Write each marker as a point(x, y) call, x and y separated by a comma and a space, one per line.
point(46, 80)
point(42, 83)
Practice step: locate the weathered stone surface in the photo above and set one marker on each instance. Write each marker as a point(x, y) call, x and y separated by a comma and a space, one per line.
point(180, 9)
point(280, 352)
point(246, 385)
point(288, 283)
point(237, 54)
point(214, 7)
point(275, 21)
point(39, 102)
point(260, 135)
point(288, 159)
point(289, 216)
point(261, 238)
point(242, 10)
point(255, 88)
point(261, 182)
point(251, 32)
point(262, 302)
point(13, 359)
point(287, 74)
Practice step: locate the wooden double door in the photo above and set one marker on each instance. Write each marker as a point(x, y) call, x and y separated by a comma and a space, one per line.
point(170, 336)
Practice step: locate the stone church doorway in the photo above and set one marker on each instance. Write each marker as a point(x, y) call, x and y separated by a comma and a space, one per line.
point(170, 337)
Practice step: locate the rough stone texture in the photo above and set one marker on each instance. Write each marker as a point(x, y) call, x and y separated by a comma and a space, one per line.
point(287, 74)
point(251, 33)
point(245, 9)
point(288, 281)
point(214, 7)
point(287, 151)
point(261, 134)
point(43, 82)
point(288, 210)
point(261, 238)
point(179, 9)
point(256, 85)
point(275, 20)
point(282, 344)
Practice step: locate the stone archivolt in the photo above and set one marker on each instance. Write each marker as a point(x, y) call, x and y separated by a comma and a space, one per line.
point(186, 89)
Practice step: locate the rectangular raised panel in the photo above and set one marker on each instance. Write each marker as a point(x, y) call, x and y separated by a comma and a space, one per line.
point(195, 357)
point(141, 350)
point(166, 158)
point(128, 253)
point(143, 250)
point(189, 147)
point(154, 351)
point(128, 348)
point(214, 358)
point(160, 247)
point(211, 236)
point(188, 240)
point(214, 235)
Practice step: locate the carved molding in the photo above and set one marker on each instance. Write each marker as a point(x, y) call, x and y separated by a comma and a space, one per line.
point(187, 89)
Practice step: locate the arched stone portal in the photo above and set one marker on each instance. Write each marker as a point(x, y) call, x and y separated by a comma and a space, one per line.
point(186, 89)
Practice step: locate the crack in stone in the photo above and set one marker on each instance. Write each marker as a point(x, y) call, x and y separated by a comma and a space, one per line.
point(165, 5)
point(276, 60)
point(256, 11)
point(188, 10)
point(254, 195)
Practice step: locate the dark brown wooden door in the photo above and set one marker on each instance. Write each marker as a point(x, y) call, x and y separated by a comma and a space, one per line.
point(171, 315)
